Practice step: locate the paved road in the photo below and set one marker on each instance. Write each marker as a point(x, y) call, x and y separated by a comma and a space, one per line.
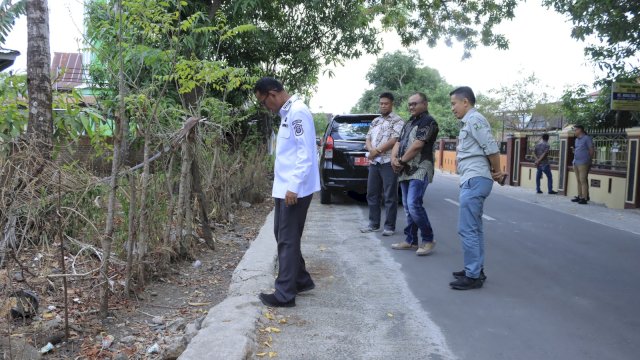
point(559, 286)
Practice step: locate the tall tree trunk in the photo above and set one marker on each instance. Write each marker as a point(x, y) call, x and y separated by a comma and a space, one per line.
point(40, 125)
point(213, 8)
point(120, 137)
point(184, 195)
point(172, 203)
point(132, 232)
point(143, 234)
point(203, 204)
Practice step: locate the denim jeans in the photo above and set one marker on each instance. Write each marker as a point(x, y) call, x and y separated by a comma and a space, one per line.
point(382, 181)
point(412, 194)
point(473, 192)
point(546, 169)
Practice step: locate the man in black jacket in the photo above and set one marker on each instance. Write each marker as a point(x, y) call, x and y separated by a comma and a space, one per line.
point(412, 158)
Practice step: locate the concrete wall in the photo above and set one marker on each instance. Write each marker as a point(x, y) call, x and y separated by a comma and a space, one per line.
point(503, 162)
point(449, 162)
point(528, 178)
point(613, 199)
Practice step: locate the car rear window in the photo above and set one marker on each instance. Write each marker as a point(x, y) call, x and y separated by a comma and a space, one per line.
point(350, 129)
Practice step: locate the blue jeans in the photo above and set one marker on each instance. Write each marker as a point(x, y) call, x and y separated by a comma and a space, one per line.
point(546, 169)
point(472, 195)
point(412, 194)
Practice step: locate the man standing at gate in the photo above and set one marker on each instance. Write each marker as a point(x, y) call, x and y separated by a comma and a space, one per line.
point(582, 155)
point(412, 158)
point(383, 181)
point(296, 178)
point(541, 153)
point(478, 158)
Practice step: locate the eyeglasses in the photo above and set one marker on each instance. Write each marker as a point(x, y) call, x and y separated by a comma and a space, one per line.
point(412, 104)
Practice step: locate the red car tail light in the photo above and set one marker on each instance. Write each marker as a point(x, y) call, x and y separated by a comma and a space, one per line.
point(328, 148)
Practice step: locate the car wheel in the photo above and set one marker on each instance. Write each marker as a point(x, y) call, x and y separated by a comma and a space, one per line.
point(325, 196)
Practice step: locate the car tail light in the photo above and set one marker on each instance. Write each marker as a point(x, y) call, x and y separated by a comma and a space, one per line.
point(328, 148)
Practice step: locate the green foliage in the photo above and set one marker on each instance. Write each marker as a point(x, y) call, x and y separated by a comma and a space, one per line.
point(593, 110)
point(402, 75)
point(9, 13)
point(580, 108)
point(13, 106)
point(467, 21)
point(614, 24)
point(320, 122)
point(518, 100)
point(295, 39)
point(490, 108)
point(70, 120)
point(170, 49)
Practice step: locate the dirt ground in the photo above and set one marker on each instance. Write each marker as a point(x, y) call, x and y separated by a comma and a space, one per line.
point(154, 324)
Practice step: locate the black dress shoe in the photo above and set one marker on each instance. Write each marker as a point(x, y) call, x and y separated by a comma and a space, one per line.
point(552, 192)
point(576, 199)
point(583, 202)
point(462, 273)
point(270, 300)
point(307, 287)
point(466, 283)
point(539, 192)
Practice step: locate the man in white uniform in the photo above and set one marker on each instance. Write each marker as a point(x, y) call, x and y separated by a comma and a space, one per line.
point(296, 178)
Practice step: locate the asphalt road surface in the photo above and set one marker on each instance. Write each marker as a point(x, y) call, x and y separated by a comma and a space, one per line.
point(558, 287)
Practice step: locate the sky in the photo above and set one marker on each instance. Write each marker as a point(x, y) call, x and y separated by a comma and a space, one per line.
point(540, 43)
point(65, 28)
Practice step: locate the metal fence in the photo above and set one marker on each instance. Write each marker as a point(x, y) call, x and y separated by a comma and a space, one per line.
point(610, 147)
point(554, 144)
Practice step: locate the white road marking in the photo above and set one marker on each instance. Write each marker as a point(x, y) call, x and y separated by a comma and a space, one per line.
point(484, 216)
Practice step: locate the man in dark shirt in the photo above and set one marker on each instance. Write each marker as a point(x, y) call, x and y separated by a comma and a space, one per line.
point(541, 154)
point(412, 158)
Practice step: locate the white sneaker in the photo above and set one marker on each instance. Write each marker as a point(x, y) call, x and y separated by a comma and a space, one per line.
point(388, 232)
point(426, 248)
point(369, 229)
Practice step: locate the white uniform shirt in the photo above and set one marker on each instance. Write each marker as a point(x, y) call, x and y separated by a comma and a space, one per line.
point(296, 167)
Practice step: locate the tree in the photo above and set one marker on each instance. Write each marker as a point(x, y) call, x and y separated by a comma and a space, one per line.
point(394, 70)
point(580, 106)
point(296, 39)
point(9, 13)
point(40, 126)
point(518, 100)
point(401, 74)
point(614, 24)
point(470, 22)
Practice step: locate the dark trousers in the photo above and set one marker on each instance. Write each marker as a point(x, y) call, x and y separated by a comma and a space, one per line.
point(288, 226)
point(546, 169)
point(382, 180)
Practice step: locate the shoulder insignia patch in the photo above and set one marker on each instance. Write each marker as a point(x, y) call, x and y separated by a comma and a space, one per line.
point(298, 129)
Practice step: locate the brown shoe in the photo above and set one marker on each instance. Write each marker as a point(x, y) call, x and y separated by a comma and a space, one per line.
point(403, 246)
point(426, 248)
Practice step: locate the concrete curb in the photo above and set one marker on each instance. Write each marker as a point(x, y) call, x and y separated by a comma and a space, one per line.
point(228, 331)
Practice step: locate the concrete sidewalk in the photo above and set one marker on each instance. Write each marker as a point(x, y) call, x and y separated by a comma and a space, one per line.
point(362, 307)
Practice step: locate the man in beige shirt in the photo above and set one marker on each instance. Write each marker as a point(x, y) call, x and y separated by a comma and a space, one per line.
point(383, 181)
